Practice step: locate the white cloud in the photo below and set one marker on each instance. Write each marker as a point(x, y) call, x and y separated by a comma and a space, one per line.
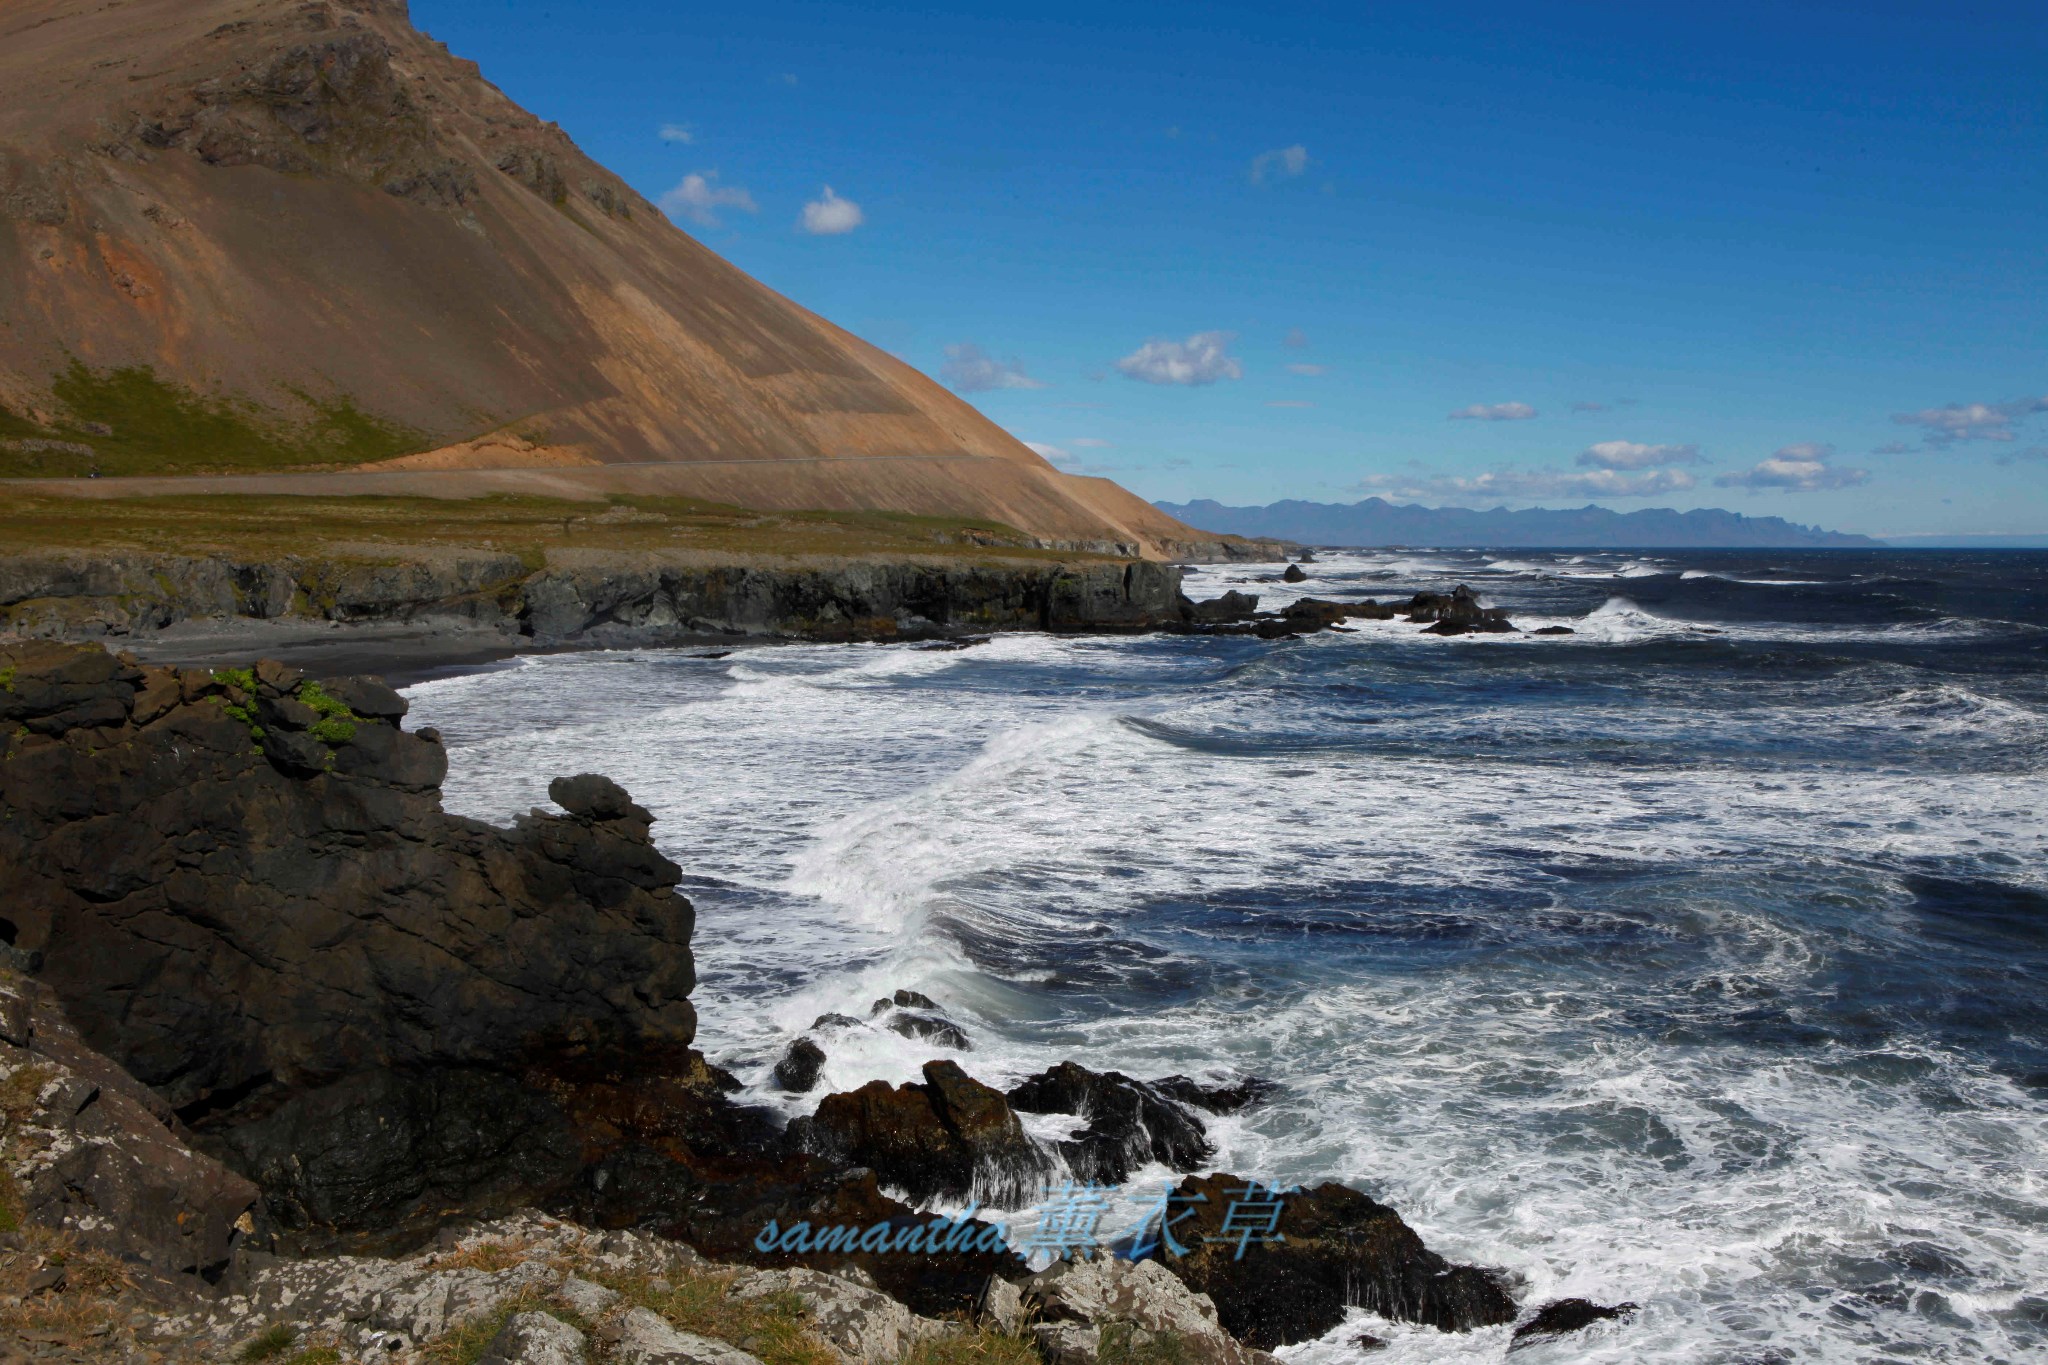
point(970, 369)
point(700, 199)
point(831, 215)
point(1050, 454)
point(1282, 163)
point(1203, 358)
point(677, 132)
point(1634, 455)
point(1494, 412)
point(1971, 421)
point(1310, 370)
point(1801, 468)
point(1295, 340)
point(1523, 484)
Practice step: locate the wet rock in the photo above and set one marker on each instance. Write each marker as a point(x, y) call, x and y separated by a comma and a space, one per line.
point(1366, 1341)
point(951, 1137)
point(904, 1000)
point(1231, 606)
point(1313, 613)
point(834, 1021)
point(535, 1339)
point(1294, 575)
point(1342, 1249)
point(1369, 610)
point(1130, 1123)
point(1132, 1300)
point(1449, 628)
point(1553, 630)
point(1458, 608)
point(1568, 1315)
point(1231, 1097)
point(929, 1028)
point(798, 1070)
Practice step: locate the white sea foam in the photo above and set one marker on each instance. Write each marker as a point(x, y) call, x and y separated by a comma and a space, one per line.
point(1191, 846)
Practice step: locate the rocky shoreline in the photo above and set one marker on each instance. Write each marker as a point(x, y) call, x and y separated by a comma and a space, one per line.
point(287, 1049)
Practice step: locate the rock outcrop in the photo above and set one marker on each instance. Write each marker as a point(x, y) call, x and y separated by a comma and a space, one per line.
point(589, 598)
point(244, 891)
point(1326, 1249)
point(1130, 1123)
point(1080, 1312)
point(951, 1137)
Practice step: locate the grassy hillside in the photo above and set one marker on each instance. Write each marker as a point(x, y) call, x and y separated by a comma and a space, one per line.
point(258, 527)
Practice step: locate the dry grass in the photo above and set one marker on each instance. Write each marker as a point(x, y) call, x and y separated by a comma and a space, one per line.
point(372, 528)
point(775, 1329)
point(490, 1257)
point(465, 1343)
point(975, 1346)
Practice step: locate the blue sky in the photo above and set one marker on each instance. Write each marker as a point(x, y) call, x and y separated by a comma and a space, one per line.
point(1790, 259)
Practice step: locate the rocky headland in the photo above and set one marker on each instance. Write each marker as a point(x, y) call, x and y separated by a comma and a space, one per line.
point(296, 1065)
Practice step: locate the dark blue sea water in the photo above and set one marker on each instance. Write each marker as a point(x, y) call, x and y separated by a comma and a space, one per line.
point(1697, 958)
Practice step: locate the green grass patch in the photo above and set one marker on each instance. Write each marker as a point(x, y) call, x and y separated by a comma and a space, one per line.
point(337, 724)
point(137, 423)
point(774, 1329)
point(272, 1342)
point(392, 529)
point(975, 1346)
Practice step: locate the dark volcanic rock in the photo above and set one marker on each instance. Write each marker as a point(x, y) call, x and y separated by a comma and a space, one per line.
point(270, 927)
point(1458, 608)
point(1553, 630)
point(1294, 574)
point(930, 1028)
point(1233, 1098)
point(1130, 1123)
point(798, 1070)
point(1565, 1316)
point(96, 1154)
point(1231, 606)
point(1342, 1249)
point(909, 1000)
point(951, 1137)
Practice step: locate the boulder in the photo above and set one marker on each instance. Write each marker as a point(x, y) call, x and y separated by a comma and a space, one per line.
point(860, 1323)
point(1231, 606)
point(1553, 630)
point(535, 1339)
point(593, 797)
point(1563, 1316)
point(1142, 1298)
point(1341, 1249)
point(951, 1137)
point(1459, 608)
point(1130, 1123)
point(930, 1028)
point(643, 1337)
point(798, 1070)
point(1231, 1097)
point(1294, 574)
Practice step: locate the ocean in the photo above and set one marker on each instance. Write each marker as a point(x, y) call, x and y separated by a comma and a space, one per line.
point(1698, 958)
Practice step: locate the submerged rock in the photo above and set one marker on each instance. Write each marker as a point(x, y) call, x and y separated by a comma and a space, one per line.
point(1458, 608)
point(1342, 1249)
point(943, 1032)
point(1564, 1316)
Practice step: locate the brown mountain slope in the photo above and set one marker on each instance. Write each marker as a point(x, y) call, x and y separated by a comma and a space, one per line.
point(241, 236)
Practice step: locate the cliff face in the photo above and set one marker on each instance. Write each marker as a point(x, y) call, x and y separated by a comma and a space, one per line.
point(243, 890)
point(264, 234)
point(584, 596)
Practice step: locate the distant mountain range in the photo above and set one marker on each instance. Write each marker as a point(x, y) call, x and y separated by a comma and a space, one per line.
point(1379, 522)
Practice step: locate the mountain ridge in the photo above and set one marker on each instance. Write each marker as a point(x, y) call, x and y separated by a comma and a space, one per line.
point(257, 236)
point(1375, 521)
